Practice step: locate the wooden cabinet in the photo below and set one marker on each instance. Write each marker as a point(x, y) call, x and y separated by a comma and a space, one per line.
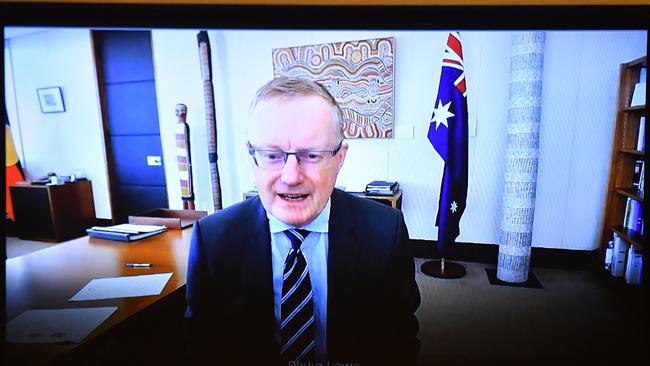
point(53, 213)
point(624, 157)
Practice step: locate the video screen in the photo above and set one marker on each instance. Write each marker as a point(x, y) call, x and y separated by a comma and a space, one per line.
point(105, 98)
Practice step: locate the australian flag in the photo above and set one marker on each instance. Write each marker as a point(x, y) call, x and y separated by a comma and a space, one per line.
point(448, 133)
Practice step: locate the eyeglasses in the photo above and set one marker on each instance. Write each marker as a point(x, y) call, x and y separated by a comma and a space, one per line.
point(275, 159)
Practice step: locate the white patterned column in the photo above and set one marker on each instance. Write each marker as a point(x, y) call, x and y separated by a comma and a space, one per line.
point(522, 154)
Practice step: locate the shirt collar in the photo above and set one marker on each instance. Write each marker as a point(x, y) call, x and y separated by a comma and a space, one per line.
point(320, 224)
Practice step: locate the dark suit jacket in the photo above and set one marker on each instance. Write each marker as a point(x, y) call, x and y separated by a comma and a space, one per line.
point(372, 294)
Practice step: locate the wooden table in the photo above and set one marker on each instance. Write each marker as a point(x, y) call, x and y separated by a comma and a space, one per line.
point(46, 279)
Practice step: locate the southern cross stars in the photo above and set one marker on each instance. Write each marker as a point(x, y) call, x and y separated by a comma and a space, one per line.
point(441, 114)
point(454, 207)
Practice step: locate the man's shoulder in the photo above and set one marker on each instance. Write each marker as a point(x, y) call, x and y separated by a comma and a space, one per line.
point(364, 209)
point(362, 202)
point(239, 214)
point(375, 226)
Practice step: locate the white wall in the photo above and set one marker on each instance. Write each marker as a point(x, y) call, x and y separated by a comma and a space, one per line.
point(581, 74)
point(178, 80)
point(580, 82)
point(67, 142)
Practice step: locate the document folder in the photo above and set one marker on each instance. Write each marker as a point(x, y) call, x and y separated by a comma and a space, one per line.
point(125, 232)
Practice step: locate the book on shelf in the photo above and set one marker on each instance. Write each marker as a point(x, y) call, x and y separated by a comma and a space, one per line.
point(619, 256)
point(628, 208)
point(639, 166)
point(643, 73)
point(125, 232)
point(642, 226)
point(633, 215)
point(608, 255)
point(381, 184)
point(382, 188)
point(634, 266)
point(641, 187)
point(638, 96)
point(640, 139)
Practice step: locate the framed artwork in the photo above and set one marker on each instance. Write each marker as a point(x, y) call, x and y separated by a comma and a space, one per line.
point(358, 74)
point(51, 100)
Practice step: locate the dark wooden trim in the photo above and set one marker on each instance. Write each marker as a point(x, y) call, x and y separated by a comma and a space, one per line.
point(488, 253)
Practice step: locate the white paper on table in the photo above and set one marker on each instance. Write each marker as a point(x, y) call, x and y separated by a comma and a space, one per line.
point(130, 228)
point(127, 286)
point(56, 325)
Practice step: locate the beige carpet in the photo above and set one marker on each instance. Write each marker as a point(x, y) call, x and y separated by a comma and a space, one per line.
point(578, 317)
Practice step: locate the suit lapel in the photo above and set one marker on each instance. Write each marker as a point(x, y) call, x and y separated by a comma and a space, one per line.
point(343, 244)
point(253, 309)
point(260, 233)
point(343, 258)
point(257, 270)
point(258, 248)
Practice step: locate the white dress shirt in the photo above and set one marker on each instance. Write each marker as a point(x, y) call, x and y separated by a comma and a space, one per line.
point(314, 249)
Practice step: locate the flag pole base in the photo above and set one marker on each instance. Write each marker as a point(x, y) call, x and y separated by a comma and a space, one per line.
point(450, 270)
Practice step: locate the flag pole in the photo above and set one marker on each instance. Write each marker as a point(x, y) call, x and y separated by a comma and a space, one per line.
point(443, 269)
point(448, 134)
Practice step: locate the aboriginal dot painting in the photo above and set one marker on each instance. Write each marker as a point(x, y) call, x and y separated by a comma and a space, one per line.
point(358, 74)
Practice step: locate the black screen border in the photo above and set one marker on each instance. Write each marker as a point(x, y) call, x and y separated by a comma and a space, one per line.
point(335, 17)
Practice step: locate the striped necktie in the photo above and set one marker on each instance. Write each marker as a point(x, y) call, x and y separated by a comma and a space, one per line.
point(297, 325)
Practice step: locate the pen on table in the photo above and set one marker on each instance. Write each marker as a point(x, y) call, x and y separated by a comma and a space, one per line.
point(142, 265)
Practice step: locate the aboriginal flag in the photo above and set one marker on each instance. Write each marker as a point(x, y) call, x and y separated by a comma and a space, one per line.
point(14, 172)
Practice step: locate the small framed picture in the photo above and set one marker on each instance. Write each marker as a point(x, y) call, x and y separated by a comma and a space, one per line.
point(51, 100)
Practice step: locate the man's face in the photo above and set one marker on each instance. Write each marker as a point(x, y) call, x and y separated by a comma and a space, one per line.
point(296, 193)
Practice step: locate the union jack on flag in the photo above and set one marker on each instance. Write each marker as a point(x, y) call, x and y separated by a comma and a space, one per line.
point(448, 134)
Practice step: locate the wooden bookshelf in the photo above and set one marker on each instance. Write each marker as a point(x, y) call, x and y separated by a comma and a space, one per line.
point(631, 193)
point(630, 236)
point(624, 155)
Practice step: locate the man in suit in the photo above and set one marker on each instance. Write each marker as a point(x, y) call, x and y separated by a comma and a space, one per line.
point(303, 274)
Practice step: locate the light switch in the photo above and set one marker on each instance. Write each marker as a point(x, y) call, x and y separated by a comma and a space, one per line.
point(154, 160)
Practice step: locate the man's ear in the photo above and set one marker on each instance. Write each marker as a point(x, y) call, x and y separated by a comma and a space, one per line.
point(341, 154)
point(251, 159)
